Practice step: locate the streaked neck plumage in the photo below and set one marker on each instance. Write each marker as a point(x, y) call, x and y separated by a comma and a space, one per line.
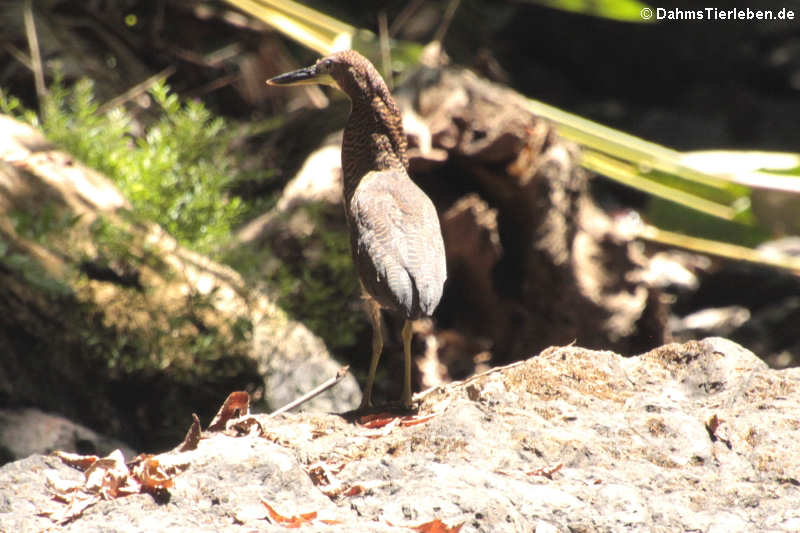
point(373, 136)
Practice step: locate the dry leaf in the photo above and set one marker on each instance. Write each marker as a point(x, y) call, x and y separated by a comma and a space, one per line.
point(318, 475)
point(109, 477)
point(414, 420)
point(289, 521)
point(236, 404)
point(104, 479)
point(81, 462)
point(354, 490)
point(248, 426)
point(713, 427)
point(547, 472)
point(437, 526)
point(152, 475)
point(379, 420)
point(192, 438)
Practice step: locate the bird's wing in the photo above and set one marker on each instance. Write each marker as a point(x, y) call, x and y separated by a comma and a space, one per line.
point(397, 243)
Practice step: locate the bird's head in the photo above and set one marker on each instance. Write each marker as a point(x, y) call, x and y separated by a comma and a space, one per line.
point(348, 71)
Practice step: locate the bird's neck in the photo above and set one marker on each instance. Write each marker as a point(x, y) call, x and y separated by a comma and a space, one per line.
point(373, 138)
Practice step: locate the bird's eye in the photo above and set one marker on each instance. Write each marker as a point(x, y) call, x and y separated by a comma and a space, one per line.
point(324, 64)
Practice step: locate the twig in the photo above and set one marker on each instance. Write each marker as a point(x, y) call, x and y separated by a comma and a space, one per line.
point(316, 392)
point(19, 55)
point(404, 16)
point(136, 90)
point(447, 18)
point(213, 85)
point(383, 39)
point(36, 58)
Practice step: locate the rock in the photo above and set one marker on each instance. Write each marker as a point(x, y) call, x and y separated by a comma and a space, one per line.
point(24, 432)
point(756, 305)
point(695, 436)
point(107, 320)
point(294, 361)
point(557, 269)
point(718, 320)
point(531, 260)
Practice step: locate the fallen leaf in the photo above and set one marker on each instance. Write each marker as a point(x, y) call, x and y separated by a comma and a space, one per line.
point(152, 475)
point(379, 420)
point(109, 477)
point(248, 426)
point(289, 521)
point(713, 427)
point(436, 526)
point(354, 490)
point(547, 472)
point(414, 420)
point(192, 438)
point(235, 405)
point(81, 462)
point(64, 514)
point(318, 475)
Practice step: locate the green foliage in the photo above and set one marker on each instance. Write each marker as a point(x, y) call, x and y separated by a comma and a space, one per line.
point(10, 105)
point(46, 222)
point(679, 218)
point(319, 288)
point(622, 10)
point(30, 270)
point(176, 174)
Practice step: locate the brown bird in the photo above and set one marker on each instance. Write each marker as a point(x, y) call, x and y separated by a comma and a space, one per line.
point(395, 237)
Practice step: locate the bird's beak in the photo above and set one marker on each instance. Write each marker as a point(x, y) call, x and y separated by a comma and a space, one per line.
point(304, 76)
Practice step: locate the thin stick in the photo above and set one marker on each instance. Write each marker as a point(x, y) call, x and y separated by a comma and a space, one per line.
point(36, 58)
point(404, 16)
point(19, 55)
point(314, 393)
point(383, 39)
point(136, 90)
point(447, 18)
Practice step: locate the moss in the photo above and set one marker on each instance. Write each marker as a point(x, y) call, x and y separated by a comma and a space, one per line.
point(311, 274)
point(177, 172)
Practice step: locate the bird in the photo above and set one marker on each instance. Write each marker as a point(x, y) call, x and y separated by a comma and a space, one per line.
point(395, 236)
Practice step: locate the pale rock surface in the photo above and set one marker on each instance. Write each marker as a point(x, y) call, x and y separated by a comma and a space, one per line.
point(700, 436)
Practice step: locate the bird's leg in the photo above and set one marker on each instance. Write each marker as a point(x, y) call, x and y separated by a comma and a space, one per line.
point(374, 312)
point(407, 335)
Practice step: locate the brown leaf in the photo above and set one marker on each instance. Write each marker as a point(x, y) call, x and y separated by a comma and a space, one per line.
point(437, 526)
point(319, 476)
point(712, 426)
point(289, 521)
point(110, 478)
point(547, 472)
point(76, 505)
point(236, 404)
point(376, 420)
point(354, 490)
point(247, 426)
point(152, 475)
point(81, 462)
point(379, 420)
point(414, 420)
point(104, 479)
point(192, 438)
